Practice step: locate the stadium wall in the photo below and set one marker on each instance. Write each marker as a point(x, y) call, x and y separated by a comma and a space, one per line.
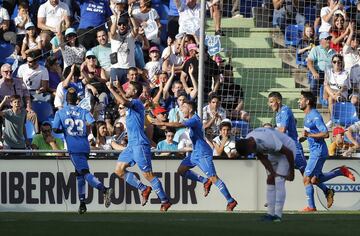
point(50, 185)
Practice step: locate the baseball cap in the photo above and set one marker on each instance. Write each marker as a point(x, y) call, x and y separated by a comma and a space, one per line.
point(123, 20)
point(338, 130)
point(70, 31)
point(324, 35)
point(154, 48)
point(121, 1)
point(192, 46)
point(226, 120)
point(158, 110)
point(29, 25)
point(90, 53)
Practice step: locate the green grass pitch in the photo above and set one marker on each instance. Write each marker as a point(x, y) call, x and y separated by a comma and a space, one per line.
point(178, 223)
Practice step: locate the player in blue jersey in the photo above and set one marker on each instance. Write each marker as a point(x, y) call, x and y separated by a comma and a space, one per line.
point(138, 148)
point(315, 132)
point(73, 121)
point(286, 123)
point(201, 156)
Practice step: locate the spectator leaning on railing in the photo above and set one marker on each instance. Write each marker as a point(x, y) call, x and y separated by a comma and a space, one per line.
point(46, 141)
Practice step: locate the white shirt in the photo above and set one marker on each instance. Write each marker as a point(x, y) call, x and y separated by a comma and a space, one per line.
point(18, 20)
point(338, 80)
point(139, 16)
point(229, 145)
point(270, 141)
point(32, 78)
point(174, 59)
point(153, 67)
point(356, 127)
point(53, 14)
point(4, 15)
point(325, 26)
point(351, 57)
point(32, 45)
point(59, 96)
point(189, 19)
point(125, 47)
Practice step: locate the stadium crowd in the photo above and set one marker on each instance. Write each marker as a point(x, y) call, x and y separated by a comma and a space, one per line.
point(82, 45)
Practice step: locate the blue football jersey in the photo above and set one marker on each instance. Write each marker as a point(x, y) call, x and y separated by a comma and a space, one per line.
point(135, 116)
point(72, 120)
point(200, 146)
point(285, 118)
point(313, 123)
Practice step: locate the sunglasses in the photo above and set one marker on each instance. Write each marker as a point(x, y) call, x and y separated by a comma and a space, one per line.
point(7, 71)
point(30, 62)
point(46, 130)
point(337, 62)
point(91, 57)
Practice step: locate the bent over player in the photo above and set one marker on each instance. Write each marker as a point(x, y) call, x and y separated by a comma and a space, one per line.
point(73, 120)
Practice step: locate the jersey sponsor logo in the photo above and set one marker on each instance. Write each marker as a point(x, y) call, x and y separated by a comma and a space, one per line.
point(347, 193)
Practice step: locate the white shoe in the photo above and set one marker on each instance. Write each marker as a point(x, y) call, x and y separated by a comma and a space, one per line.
point(238, 16)
point(329, 124)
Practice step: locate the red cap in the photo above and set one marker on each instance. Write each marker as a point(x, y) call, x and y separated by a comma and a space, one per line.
point(338, 130)
point(158, 110)
point(154, 48)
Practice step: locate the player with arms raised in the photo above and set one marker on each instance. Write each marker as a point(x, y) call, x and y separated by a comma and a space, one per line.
point(138, 150)
point(73, 120)
point(201, 155)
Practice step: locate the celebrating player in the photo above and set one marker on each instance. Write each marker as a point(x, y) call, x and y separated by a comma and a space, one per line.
point(138, 148)
point(73, 120)
point(286, 123)
point(315, 132)
point(201, 155)
point(276, 152)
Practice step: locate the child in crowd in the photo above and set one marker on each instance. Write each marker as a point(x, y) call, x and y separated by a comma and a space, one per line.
point(306, 43)
point(154, 65)
point(168, 144)
point(20, 21)
point(31, 41)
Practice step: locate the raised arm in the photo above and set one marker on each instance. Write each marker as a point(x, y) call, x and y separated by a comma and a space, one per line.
point(120, 98)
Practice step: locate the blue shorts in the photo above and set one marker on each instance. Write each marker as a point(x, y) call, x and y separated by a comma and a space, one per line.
point(79, 161)
point(205, 163)
point(300, 161)
point(316, 162)
point(138, 154)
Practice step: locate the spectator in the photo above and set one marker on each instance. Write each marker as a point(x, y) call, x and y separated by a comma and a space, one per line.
point(352, 133)
point(55, 74)
point(336, 84)
point(224, 144)
point(119, 139)
point(103, 140)
point(189, 16)
point(31, 41)
point(286, 12)
point(35, 76)
point(95, 80)
point(72, 51)
point(168, 144)
point(51, 14)
point(306, 43)
point(235, 10)
point(5, 33)
point(122, 116)
point(327, 14)
point(153, 67)
point(213, 114)
point(14, 128)
point(46, 141)
point(10, 86)
point(215, 7)
point(350, 49)
point(176, 88)
point(232, 96)
point(338, 146)
point(122, 47)
point(148, 18)
point(158, 133)
point(176, 115)
point(191, 91)
point(173, 20)
point(20, 21)
point(339, 33)
point(93, 14)
point(103, 50)
point(172, 56)
point(318, 61)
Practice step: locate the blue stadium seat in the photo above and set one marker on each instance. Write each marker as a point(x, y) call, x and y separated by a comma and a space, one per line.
point(6, 50)
point(323, 102)
point(43, 110)
point(243, 125)
point(30, 130)
point(344, 113)
point(293, 34)
point(310, 14)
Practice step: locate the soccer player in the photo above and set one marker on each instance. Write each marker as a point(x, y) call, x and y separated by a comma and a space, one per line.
point(315, 132)
point(138, 148)
point(201, 155)
point(73, 120)
point(286, 123)
point(276, 151)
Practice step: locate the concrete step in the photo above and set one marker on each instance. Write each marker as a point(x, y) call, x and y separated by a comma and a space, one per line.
point(254, 52)
point(257, 63)
point(265, 84)
point(253, 42)
point(242, 32)
point(232, 23)
point(265, 73)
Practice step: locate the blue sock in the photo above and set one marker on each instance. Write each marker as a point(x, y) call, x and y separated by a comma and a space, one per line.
point(323, 187)
point(330, 175)
point(223, 189)
point(81, 187)
point(156, 185)
point(94, 182)
point(193, 176)
point(309, 189)
point(131, 179)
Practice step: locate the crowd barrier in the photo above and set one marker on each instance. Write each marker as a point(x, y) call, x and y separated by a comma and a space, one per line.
point(49, 184)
